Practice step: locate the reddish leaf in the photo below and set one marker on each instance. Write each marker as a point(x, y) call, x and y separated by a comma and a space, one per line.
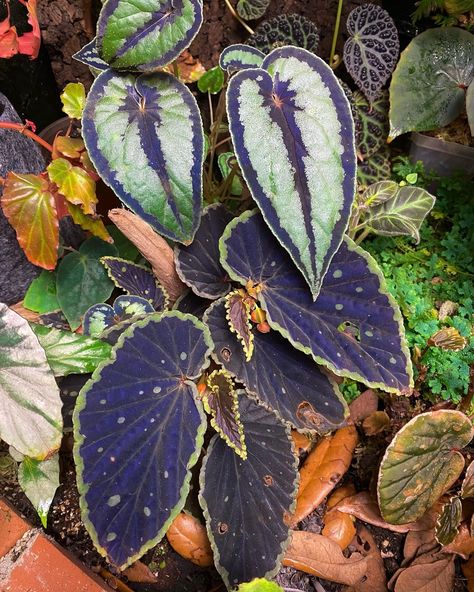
point(31, 210)
point(68, 147)
point(8, 42)
point(29, 43)
point(468, 571)
point(302, 443)
point(339, 527)
point(376, 580)
point(188, 537)
point(141, 573)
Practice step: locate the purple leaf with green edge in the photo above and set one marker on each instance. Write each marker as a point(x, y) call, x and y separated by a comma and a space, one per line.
point(220, 400)
point(198, 264)
point(371, 51)
point(240, 57)
point(353, 295)
point(376, 168)
point(97, 319)
point(41, 294)
point(373, 124)
point(212, 81)
point(100, 317)
point(88, 56)
point(421, 463)
point(428, 88)
point(69, 388)
point(138, 430)
point(293, 135)
point(238, 317)
point(147, 35)
point(136, 280)
point(189, 303)
point(280, 377)
point(39, 480)
point(447, 525)
point(248, 533)
point(130, 125)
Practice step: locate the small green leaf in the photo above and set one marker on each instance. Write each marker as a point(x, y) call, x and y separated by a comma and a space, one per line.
point(77, 186)
point(421, 463)
point(212, 81)
point(412, 178)
point(82, 280)
point(259, 585)
point(447, 525)
point(73, 99)
point(252, 9)
point(41, 294)
point(71, 353)
point(39, 481)
point(227, 162)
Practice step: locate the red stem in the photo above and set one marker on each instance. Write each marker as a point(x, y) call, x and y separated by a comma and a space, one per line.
point(22, 129)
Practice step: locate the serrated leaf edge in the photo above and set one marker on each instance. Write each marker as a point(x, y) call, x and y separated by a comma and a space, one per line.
point(248, 350)
point(438, 520)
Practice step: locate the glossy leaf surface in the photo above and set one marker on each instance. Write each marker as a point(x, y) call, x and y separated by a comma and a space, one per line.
point(240, 57)
point(136, 280)
point(39, 481)
point(73, 99)
point(293, 136)
point(130, 126)
point(138, 431)
point(198, 264)
point(74, 183)
point(355, 327)
point(433, 74)
point(30, 208)
point(188, 537)
point(88, 55)
point(371, 51)
point(31, 418)
point(245, 501)
point(148, 34)
point(41, 294)
point(421, 463)
point(279, 376)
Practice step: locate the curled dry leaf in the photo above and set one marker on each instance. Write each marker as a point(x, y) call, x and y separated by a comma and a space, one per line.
point(139, 572)
point(375, 423)
point(468, 571)
point(427, 577)
point(447, 525)
point(463, 544)
point(365, 404)
point(467, 488)
point(321, 557)
point(339, 527)
point(323, 469)
point(188, 537)
point(302, 443)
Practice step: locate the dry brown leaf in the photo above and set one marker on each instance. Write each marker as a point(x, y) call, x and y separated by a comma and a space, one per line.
point(339, 527)
point(28, 315)
point(323, 469)
point(467, 488)
point(141, 573)
point(417, 542)
point(463, 544)
point(321, 557)
point(365, 404)
point(188, 537)
point(302, 443)
point(375, 423)
point(468, 571)
point(189, 69)
point(376, 579)
point(427, 577)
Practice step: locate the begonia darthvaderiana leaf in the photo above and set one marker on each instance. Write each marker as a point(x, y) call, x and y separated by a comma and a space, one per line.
point(221, 401)
point(30, 420)
point(74, 184)
point(421, 463)
point(245, 502)
point(29, 206)
point(428, 88)
point(238, 313)
point(130, 125)
point(146, 35)
point(240, 57)
point(100, 317)
point(88, 55)
point(280, 377)
point(293, 136)
point(190, 303)
point(355, 327)
point(136, 280)
point(39, 480)
point(447, 525)
point(139, 428)
point(198, 264)
point(371, 51)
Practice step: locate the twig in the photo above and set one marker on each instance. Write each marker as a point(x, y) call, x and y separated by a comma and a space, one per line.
point(22, 129)
point(236, 16)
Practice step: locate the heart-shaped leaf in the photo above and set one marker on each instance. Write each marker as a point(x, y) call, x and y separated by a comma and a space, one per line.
point(73, 99)
point(198, 264)
point(147, 35)
point(136, 280)
point(138, 431)
point(88, 55)
point(74, 183)
point(31, 418)
point(39, 481)
point(82, 280)
point(402, 213)
point(240, 57)
point(212, 81)
point(428, 88)
point(41, 294)
point(447, 526)
point(71, 353)
point(280, 377)
point(355, 327)
point(130, 125)
point(285, 29)
point(379, 192)
point(421, 463)
point(373, 123)
point(371, 51)
point(248, 534)
point(303, 175)
point(221, 401)
point(251, 10)
point(100, 317)
point(30, 208)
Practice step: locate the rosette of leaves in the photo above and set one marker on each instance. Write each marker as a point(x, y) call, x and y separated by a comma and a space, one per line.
point(285, 29)
point(371, 51)
point(252, 9)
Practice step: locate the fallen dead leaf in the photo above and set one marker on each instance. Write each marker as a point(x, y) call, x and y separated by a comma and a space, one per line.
point(141, 573)
point(189, 69)
point(418, 542)
point(463, 544)
point(319, 556)
point(302, 443)
point(468, 571)
point(427, 577)
point(467, 488)
point(375, 423)
point(323, 469)
point(188, 537)
point(339, 527)
point(376, 578)
point(365, 404)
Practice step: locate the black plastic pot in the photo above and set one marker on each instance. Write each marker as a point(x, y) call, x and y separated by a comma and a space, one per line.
point(444, 158)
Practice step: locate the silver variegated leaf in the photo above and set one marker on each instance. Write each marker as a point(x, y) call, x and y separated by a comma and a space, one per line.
point(240, 57)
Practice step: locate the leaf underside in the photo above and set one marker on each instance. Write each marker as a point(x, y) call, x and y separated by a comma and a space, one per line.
point(238, 316)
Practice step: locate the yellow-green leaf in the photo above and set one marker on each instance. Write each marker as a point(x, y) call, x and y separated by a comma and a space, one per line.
point(93, 224)
point(74, 183)
point(73, 99)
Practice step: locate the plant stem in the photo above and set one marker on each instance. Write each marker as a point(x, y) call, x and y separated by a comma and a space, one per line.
point(22, 129)
point(336, 33)
point(224, 141)
point(235, 15)
point(362, 235)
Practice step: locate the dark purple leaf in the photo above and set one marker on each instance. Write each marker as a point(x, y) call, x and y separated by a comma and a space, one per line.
point(100, 317)
point(238, 317)
point(54, 319)
point(245, 501)
point(138, 428)
point(190, 303)
point(88, 55)
point(136, 280)
point(279, 376)
point(355, 327)
point(198, 264)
